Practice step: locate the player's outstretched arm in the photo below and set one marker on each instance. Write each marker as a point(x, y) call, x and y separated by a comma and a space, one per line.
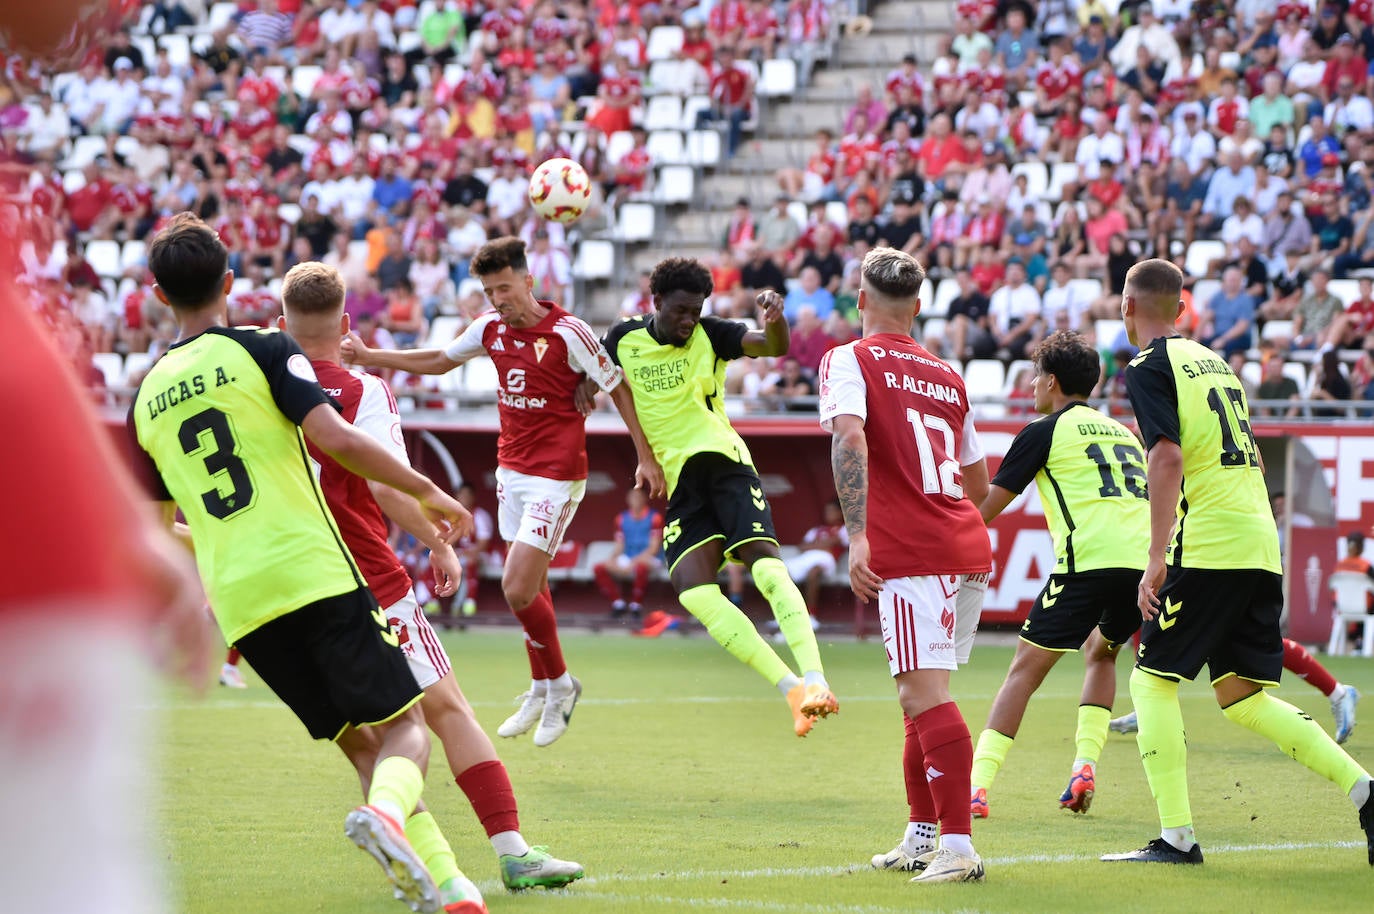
point(359, 454)
point(775, 338)
point(849, 462)
point(1164, 481)
point(415, 361)
point(648, 475)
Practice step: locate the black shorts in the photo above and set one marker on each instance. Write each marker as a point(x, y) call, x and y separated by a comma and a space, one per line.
point(716, 499)
point(1071, 605)
point(335, 662)
point(1228, 620)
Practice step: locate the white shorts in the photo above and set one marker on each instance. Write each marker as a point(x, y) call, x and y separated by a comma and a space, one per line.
point(626, 563)
point(799, 566)
point(534, 510)
point(968, 609)
point(428, 661)
point(918, 619)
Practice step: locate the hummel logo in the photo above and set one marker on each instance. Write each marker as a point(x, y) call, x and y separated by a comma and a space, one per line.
point(1169, 615)
point(1051, 594)
point(384, 624)
point(756, 494)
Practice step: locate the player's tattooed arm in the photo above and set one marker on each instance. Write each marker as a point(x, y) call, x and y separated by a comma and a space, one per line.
point(849, 461)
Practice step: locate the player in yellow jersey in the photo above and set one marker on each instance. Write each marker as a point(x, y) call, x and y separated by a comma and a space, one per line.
point(1212, 591)
point(1090, 473)
point(674, 362)
point(218, 423)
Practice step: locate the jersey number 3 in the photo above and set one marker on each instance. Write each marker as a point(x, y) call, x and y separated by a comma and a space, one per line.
point(942, 478)
point(223, 458)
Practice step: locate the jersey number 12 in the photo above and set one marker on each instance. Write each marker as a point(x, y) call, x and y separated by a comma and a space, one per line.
point(935, 479)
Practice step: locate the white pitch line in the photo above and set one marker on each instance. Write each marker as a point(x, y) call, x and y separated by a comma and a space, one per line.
point(749, 904)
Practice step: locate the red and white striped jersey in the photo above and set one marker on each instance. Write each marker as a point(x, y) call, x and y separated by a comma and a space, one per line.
point(366, 402)
point(538, 369)
point(919, 434)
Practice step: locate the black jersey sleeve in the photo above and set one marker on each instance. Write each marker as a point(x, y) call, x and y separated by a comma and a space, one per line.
point(289, 374)
point(142, 463)
point(1026, 456)
point(1153, 393)
point(727, 337)
point(617, 332)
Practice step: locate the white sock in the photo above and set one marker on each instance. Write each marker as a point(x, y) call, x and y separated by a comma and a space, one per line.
point(788, 683)
point(1182, 837)
point(509, 844)
point(1359, 794)
point(539, 686)
point(919, 838)
point(1338, 692)
point(960, 844)
point(562, 684)
point(816, 678)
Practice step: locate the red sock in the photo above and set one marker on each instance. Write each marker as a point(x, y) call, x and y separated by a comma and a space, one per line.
point(914, 772)
point(541, 638)
point(609, 588)
point(1297, 660)
point(487, 787)
point(233, 658)
point(470, 574)
point(948, 756)
point(641, 582)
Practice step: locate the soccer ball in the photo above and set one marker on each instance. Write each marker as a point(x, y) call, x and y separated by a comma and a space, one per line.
point(560, 190)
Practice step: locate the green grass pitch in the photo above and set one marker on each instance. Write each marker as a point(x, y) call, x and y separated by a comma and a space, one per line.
point(680, 787)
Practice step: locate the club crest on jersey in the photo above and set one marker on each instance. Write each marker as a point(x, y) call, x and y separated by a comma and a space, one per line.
point(541, 346)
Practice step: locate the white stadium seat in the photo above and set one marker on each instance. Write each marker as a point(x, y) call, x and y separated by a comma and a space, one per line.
point(946, 292)
point(103, 256)
point(1347, 290)
point(676, 184)
point(778, 77)
point(703, 148)
point(111, 365)
point(1037, 177)
point(1278, 330)
point(303, 79)
point(135, 364)
point(666, 148)
point(984, 378)
point(443, 330)
point(664, 112)
point(480, 376)
point(636, 222)
point(1200, 255)
point(595, 260)
point(617, 145)
point(664, 42)
point(691, 106)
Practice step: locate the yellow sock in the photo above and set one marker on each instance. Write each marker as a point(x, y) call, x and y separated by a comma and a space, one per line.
point(988, 757)
point(1299, 736)
point(789, 608)
point(1092, 732)
point(1163, 752)
point(424, 836)
point(733, 631)
point(396, 786)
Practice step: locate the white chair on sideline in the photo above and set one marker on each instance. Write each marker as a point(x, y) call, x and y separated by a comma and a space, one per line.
point(1352, 591)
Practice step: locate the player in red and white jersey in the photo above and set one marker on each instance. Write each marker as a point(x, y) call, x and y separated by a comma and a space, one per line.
point(541, 354)
point(313, 300)
point(901, 424)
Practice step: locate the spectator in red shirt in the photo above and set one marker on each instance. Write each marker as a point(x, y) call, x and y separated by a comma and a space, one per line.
point(941, 150)
point(87, 204)
point(732, 98)
point(810, 342)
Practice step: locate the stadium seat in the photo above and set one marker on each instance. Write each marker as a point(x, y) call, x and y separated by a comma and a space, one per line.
point(1298, 372)
point(984, 378)
point(73, 180)
point(242, 286)
point(178, 48)
point(136, 364)
point(134, 254)
point(664, 112)
point(1089, 290)
point(1014, 372)
point(480, 376)
point(946, 291)
point(837, 213)
point(595, 260)
point(703, 148)
point(1107, 332)
point(1037, 177)
point(303, 79)
point(1347, 290)
point(673, 77)
point(1252, 373)
point(443, 330)
point(289, 213)
point(1200, 255)
point(666, 148)
point(676, 184)
point(1277, 330)
point(103, 256)
point(691, 106)
point(664, 42)
point(1062, 173)
point(409, 41)
point(1352, 591)
point(778, 77)
point(84, 151)
point(221, 15)
point(797, 210)
point(933, 327)
point(927, 291)
point(111, 365)
point(617, 145)
point(1203, 290)
point(636, 222)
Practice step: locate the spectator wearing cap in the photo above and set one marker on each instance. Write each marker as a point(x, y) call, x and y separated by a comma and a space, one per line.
point(1151, 33)
point(1195, 146)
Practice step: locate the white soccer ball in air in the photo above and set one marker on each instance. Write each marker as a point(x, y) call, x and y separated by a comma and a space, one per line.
point(560, 191)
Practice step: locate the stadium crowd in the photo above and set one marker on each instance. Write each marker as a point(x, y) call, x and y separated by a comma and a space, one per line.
point(1047, 147)
point(385, 137)
point(1051, 145)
